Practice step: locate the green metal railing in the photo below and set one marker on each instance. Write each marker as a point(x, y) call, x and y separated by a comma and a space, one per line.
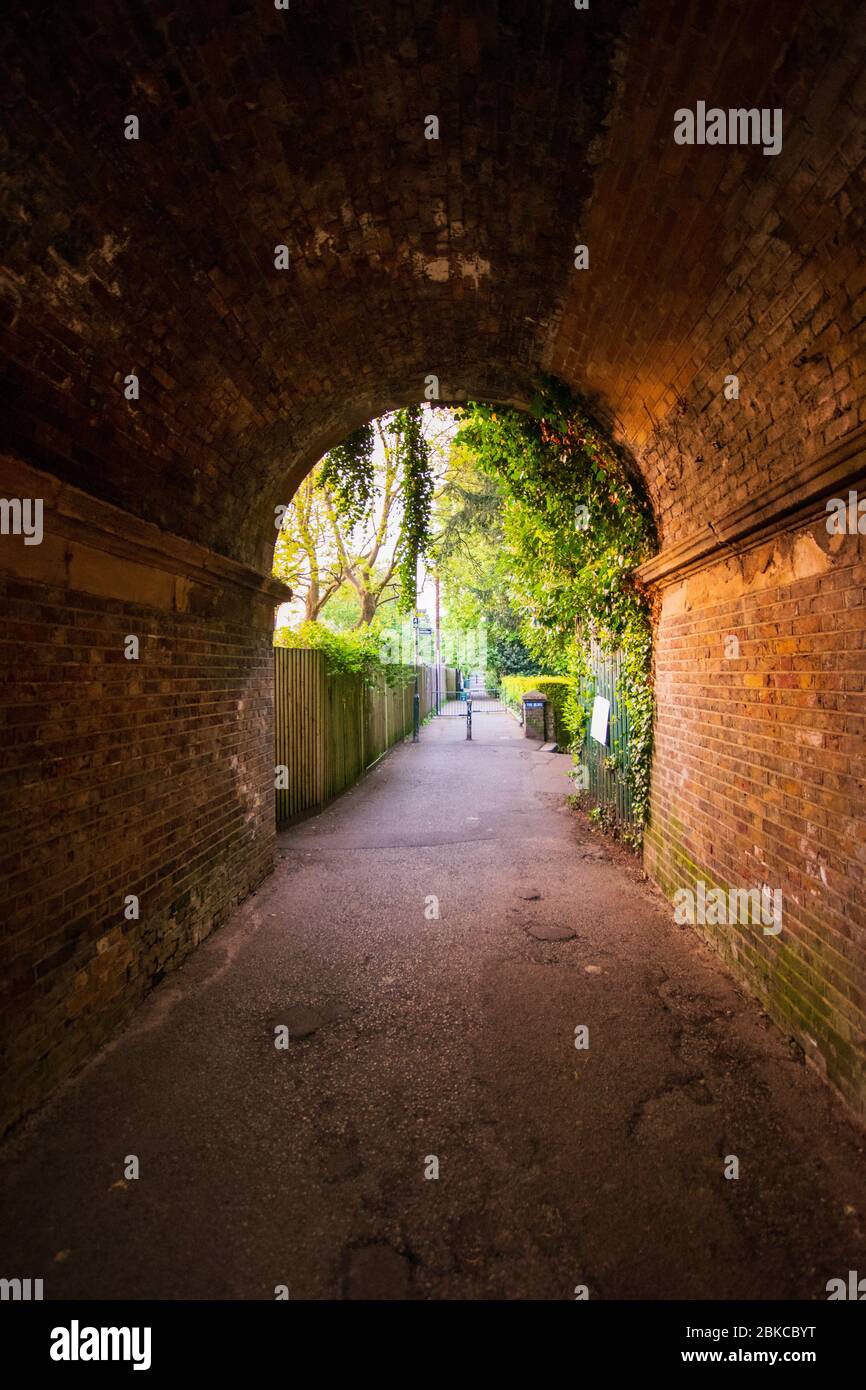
point(606, 763)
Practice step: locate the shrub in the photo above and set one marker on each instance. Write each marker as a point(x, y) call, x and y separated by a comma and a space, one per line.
point(355, 653)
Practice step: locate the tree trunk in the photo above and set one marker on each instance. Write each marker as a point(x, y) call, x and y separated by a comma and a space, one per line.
point(311, 602)
point(369, 604)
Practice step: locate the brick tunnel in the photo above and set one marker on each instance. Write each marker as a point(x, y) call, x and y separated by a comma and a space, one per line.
point(417, 248)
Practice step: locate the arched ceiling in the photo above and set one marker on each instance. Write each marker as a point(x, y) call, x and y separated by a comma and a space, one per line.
point(411, 256)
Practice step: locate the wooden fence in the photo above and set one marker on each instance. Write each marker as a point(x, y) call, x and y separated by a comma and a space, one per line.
point(331, 728)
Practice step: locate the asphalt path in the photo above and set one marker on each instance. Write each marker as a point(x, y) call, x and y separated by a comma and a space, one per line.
point(427, 947)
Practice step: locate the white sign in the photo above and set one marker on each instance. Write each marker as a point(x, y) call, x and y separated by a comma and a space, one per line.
point(600, 716)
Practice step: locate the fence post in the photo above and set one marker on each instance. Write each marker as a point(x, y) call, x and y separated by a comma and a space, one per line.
point(318, 704)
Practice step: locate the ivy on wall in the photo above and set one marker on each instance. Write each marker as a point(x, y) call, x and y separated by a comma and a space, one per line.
point(576, 525)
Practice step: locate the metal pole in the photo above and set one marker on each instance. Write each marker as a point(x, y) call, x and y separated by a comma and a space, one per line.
point(469, 717)
point(438, 652)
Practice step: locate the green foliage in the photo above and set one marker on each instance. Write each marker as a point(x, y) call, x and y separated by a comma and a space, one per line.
point(603, 818)
point(469, 553)
point(413, 452)
point(507, 653)
point(550, 463)
point(355, 653)
point(556, 688)
point(576, 524)
point(467, 520)
point(347, 474)
point(577, 706)
point(635, 689)
point(538, 531)
point(515, 687)
point(342, 611)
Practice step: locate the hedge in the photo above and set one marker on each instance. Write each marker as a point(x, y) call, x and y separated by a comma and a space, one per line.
point(556, 688)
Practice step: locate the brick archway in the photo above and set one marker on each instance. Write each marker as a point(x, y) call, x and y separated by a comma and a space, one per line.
point(411, 256)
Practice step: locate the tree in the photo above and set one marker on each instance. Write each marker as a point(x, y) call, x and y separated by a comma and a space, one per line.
point(368, 560)
point(362, 517)
point(471, 556)
point(305, 556)
point(339, 530)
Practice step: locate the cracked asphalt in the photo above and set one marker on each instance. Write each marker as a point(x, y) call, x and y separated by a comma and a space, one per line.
point(414, 1037)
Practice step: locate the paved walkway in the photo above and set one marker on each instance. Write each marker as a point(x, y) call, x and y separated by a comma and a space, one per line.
point(413, 1036)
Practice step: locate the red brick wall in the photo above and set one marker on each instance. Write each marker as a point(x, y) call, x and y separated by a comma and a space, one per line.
point(712, 261)
point(760, 775)
point(151, 777)
point(410, 257)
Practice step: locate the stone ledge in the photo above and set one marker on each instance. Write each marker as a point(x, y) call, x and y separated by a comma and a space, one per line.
point(793, 501)
point(82, 535)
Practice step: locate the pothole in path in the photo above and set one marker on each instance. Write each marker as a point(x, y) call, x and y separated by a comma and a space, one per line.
point(669, 1110)
point(545, 931)
point(697, 1009)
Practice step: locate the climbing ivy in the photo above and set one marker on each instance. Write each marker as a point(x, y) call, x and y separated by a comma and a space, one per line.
point(347, 473)
point(576, 526)
point(413, 453)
